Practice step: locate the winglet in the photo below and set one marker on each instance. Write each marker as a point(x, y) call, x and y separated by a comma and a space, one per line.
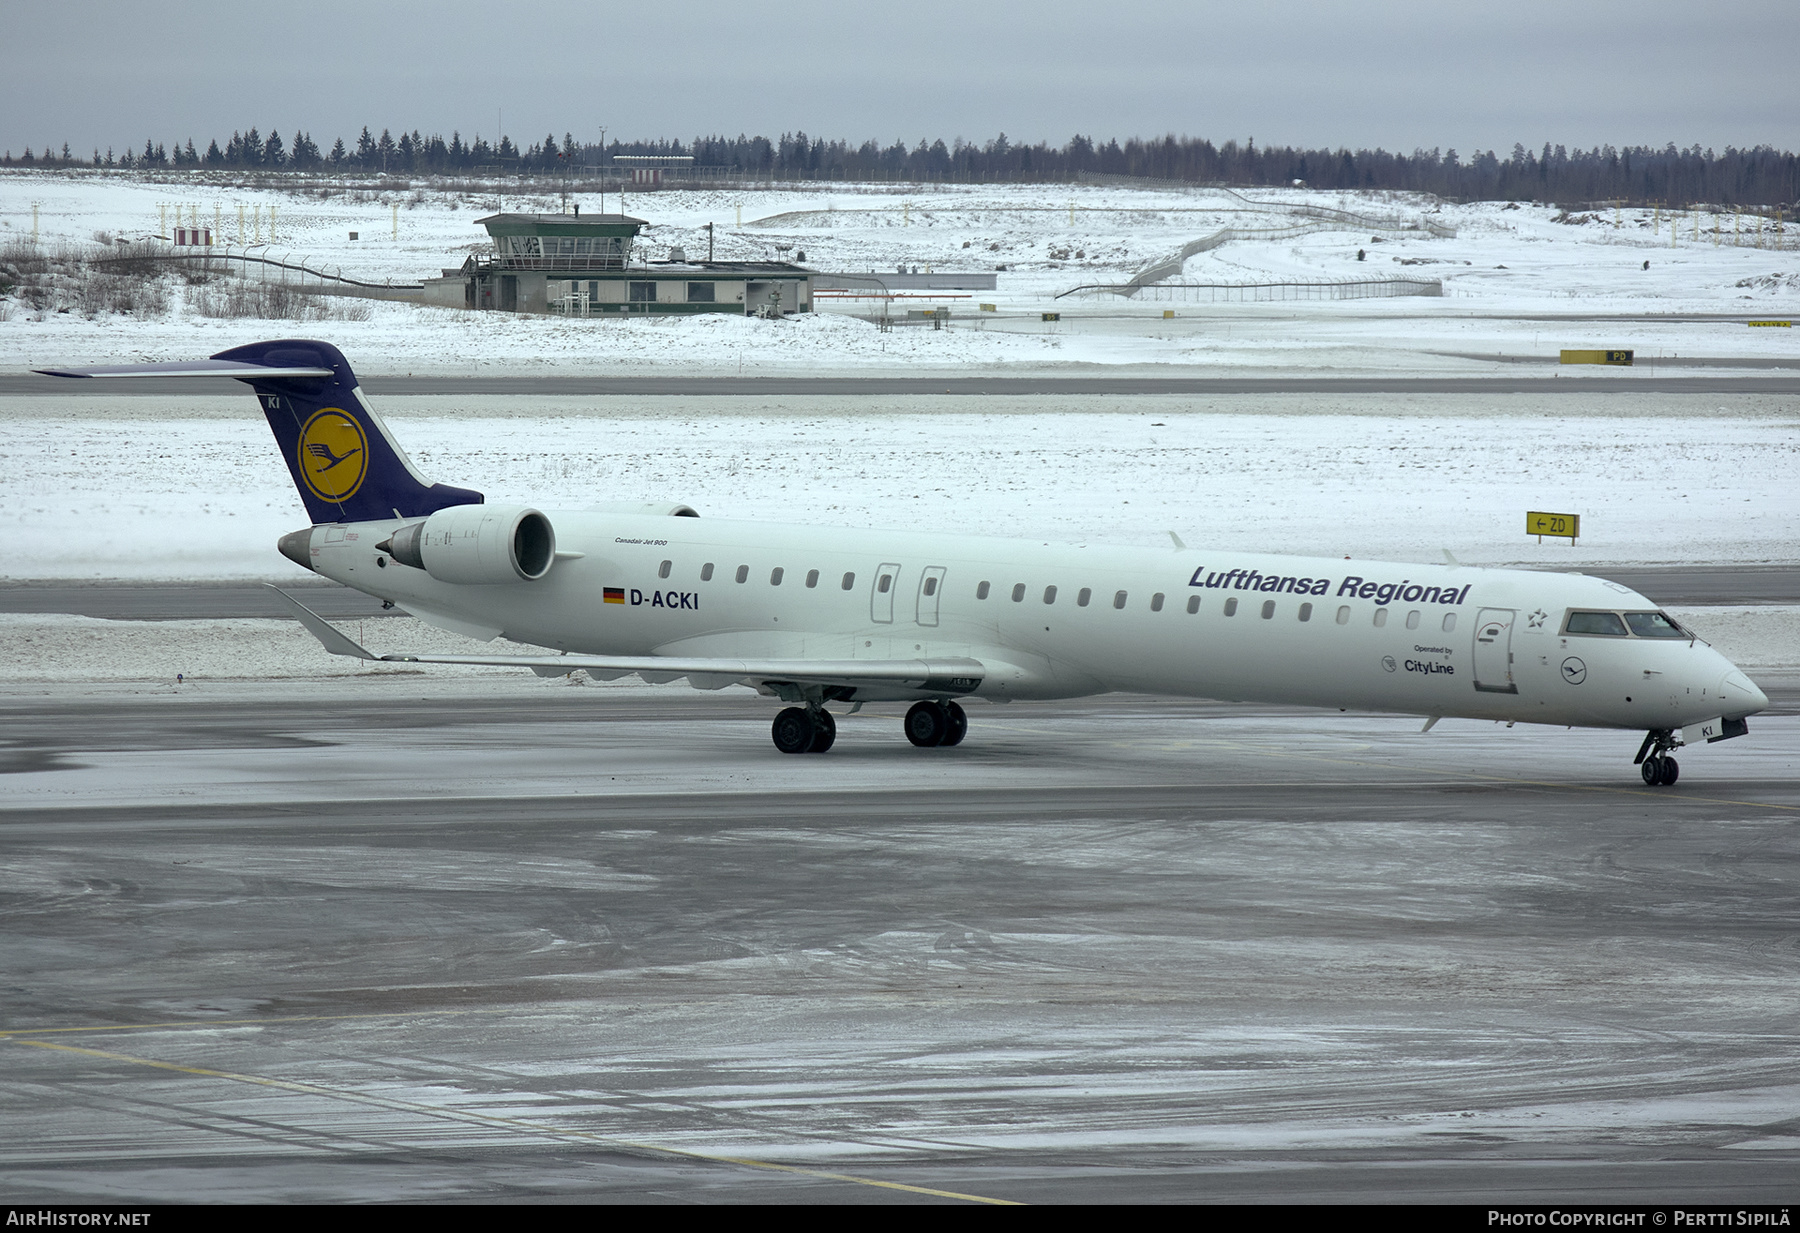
point(1451, 561)
point(320, 628)
point(1178, 544)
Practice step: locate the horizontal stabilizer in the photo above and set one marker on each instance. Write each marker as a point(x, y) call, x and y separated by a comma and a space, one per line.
point(320, 628)
point(947, 676)
point(193, 368)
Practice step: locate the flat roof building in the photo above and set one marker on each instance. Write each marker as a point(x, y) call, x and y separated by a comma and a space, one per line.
point(583, 265)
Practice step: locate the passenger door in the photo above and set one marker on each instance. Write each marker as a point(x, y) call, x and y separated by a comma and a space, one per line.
point(1493, 651)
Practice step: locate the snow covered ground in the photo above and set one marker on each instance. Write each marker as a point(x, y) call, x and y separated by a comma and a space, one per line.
point(154, 487)
point(1517, 282)
point(158, 486)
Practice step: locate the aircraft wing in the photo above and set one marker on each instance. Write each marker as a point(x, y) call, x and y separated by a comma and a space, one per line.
point(192, 368)
point(955, 675)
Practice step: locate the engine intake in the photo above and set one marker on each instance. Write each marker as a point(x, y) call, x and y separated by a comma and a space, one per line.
point(477, 544)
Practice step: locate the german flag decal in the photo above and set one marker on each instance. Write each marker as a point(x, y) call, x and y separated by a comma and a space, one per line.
point(615, 595)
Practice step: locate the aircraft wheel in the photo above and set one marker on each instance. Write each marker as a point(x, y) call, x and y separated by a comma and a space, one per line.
point(959, 724)
point(927, 724)
point(1671, 771)
point(1652, 770)
point(793, 730)
point(824, 730)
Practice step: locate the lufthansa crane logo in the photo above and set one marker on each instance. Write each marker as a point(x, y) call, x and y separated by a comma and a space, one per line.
point(333, 455)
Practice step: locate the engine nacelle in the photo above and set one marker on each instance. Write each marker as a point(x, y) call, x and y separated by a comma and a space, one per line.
point(477, 544)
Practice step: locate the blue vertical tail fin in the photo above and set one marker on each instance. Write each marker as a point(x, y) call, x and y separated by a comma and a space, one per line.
point(343, 460)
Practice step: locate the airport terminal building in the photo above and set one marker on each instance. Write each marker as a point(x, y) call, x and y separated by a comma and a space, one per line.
point(582, 265)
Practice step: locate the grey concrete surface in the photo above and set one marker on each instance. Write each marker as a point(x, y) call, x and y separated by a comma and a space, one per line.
point(185, 601)
point(170, 601)
point(391, 940)
point(1634, 381)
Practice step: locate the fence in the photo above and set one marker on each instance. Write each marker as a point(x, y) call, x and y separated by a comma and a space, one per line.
point(295, 275)
point(1319, 218)
point(1299, 289)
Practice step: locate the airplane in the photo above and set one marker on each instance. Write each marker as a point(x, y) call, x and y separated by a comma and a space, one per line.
point(812, 616)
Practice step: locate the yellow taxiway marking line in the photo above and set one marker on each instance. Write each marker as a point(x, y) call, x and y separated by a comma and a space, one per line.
point(488, 1119)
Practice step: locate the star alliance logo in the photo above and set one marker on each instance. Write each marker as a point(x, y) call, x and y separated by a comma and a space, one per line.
point(1536, 620)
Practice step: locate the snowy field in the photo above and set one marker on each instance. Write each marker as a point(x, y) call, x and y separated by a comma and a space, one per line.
point(1516, 281)
point(155, 487)
point(164, 487)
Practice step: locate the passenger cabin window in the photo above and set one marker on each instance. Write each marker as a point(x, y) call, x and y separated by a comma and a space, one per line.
point(775, 576)
point(849, 581)
point(666, 567)
point(1193, 604)
point(1156, 602)
point(1380, 617)
point(884, 582)
point(1343, 616)
point(981, 590)
point(1119, 600)
point(1306, 612)
point(812, 578)
point(1049, 595)
point(1653, 625)
point(1231, 606)
point(1082, 596)
point(743, 573)
point(1018, 592)
point(706, 572)
point(1449, 622)
point(1268, 609)
point(1412, 619)
point(931, 586)
point(1606, 624)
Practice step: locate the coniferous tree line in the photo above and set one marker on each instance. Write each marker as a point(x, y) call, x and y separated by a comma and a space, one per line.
point(1759, 176)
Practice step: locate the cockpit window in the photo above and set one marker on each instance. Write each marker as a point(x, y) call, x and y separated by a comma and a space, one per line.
point(1653, 625)
point(1607, 623)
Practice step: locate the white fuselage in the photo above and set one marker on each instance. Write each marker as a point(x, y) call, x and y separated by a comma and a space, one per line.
point(1433, 640)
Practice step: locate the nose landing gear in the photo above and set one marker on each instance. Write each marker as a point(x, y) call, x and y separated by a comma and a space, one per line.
point(1657, 767)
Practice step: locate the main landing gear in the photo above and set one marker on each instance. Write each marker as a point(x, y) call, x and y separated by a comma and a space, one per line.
point(804, 729)
point(811, 729)
point(1653, 760)
point(936, 723)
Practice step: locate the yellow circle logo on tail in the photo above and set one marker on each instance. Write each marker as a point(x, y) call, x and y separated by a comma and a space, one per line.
point(334, 454)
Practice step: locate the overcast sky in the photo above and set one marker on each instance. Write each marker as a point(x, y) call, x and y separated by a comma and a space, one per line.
point(1306, 72)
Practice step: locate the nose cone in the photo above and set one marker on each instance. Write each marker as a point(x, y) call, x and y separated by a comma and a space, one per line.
point(296, 546)
point(1741, 695)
